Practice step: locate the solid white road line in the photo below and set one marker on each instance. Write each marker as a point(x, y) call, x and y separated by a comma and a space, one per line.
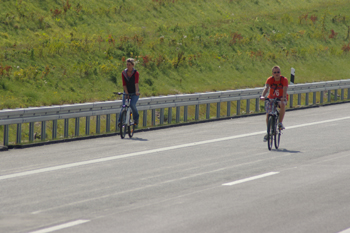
point(27, 173)
point(345, 231)
point(250, 178)
point(60, 227)
point(77, 164)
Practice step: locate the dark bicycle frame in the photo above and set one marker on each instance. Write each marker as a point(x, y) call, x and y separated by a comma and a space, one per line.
point(275, 133)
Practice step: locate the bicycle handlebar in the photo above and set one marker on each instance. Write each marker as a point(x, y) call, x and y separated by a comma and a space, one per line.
point(121, 93)
point(277, 99)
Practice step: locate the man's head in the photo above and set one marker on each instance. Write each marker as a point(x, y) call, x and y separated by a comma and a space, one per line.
point(276, 72)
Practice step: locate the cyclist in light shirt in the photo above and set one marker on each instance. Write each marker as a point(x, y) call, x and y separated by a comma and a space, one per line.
point(278, 86)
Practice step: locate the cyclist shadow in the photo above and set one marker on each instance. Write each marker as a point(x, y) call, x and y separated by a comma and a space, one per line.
point(138, 139)
point(287, 151)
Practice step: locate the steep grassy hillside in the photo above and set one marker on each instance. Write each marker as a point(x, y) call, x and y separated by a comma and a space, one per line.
point(56, 52)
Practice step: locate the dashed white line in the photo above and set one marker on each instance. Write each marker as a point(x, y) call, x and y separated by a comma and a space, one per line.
point(250, 178)
point(60, 227)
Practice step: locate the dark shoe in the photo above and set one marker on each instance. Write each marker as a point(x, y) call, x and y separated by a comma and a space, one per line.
point(119, 124)
point(280, 126)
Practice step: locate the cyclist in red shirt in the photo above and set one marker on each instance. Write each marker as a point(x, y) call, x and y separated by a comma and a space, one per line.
point(278, 86)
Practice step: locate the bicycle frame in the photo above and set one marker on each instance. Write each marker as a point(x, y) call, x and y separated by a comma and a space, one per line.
point(128, 109)
point(275, 131)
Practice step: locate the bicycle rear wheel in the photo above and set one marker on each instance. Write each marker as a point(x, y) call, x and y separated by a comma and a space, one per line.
point(270, 131)
point(277, 136)
point(123, 124)
point(131, 127)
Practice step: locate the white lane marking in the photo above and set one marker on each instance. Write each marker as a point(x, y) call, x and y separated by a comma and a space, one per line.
point(250, 178)
point(60, 227)
point(71, 165)
point(27, 173)
point(345, 231)
point(317, 123)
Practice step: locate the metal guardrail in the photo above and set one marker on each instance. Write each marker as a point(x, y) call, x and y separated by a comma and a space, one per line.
point(54, 113)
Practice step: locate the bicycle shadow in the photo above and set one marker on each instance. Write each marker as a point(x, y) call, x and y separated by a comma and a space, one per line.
point(286, 151)
point(138, 139)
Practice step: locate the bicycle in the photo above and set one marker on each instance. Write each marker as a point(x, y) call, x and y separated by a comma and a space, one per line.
point(126, 117)
point(273, 131)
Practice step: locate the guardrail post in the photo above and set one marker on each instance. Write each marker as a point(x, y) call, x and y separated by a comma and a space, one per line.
point(238, 107)
point(228, 113)
point(170, 115)
point(329, 96)
point(299, 99)
point(153, 117)
point(177, 114)
point(257, 105)
point(161, 120)
point(247, 108)
point(335, 95)
point(314, 98)
point(307, 99)
point(87, 125)
point(185, 113)
point(108, 123)
point(43, 130)
point(207, 115)
point(76, 127)
point(342, 94)
point(98, 124)
point(116, 121)
point(19, 133)
point(31, 131)
point(144, 120)
point(348, 93)
point(196, 114)
point(291, 101)
point(321, 97)
point(66, 127)
point(6, 135)
point(218, 110)
point(54, 129)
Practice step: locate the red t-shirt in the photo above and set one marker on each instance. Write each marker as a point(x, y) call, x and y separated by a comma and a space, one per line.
point(276, 87)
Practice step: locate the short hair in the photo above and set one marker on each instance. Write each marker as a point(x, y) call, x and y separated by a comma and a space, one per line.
point(276, 67)
point(131, 60)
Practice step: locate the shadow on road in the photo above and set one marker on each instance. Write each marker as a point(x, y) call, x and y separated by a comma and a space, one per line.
point(287, 151)
point(139, 139)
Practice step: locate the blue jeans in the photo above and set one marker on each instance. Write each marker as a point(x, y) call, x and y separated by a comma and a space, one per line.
point(135, 113)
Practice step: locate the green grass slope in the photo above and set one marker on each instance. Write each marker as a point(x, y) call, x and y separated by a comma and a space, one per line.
point(56, 52)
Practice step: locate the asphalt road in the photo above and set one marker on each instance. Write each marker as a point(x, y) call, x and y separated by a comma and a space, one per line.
point(210, 177)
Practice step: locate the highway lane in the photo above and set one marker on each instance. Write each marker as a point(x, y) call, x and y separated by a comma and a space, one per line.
point(172, 180)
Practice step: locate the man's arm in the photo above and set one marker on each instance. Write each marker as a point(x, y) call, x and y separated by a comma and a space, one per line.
point(285, 88)
point(267, 86)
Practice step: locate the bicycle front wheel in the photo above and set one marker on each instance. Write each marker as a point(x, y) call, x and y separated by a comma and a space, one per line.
point(123, 124)
point(277, 136)
point(270, 131)
point(131, 127)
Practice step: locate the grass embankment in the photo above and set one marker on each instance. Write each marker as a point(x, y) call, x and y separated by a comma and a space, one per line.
point(56, 52)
